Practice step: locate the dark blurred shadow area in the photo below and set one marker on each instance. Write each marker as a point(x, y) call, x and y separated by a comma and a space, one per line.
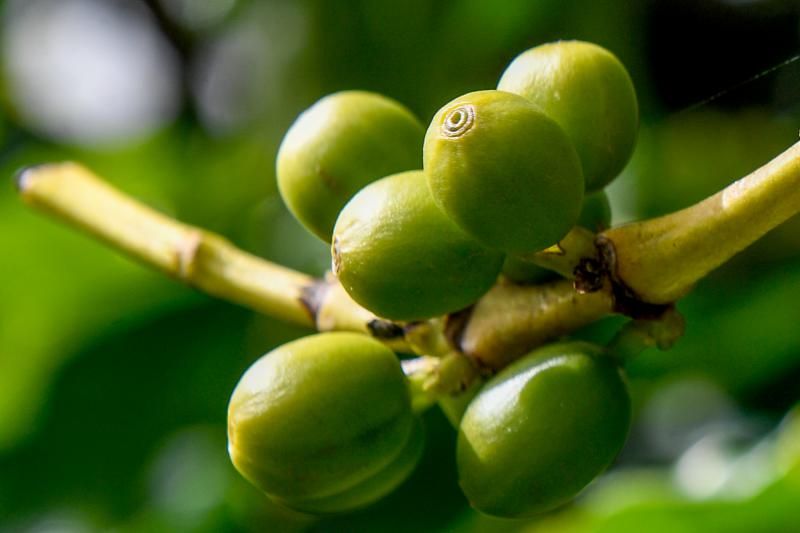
point(114, 380)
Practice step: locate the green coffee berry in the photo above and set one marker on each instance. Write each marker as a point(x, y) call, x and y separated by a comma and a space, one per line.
point(381, 483)
point(596, 212)
point(595, 216)
point(524, 272)
point(542, 429)
point(399, 256)
point(323, 423)
point(586, 89)
point(340, 144)
point(503, 171)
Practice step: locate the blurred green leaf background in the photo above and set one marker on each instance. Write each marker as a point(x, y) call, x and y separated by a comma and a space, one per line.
point(114, 380)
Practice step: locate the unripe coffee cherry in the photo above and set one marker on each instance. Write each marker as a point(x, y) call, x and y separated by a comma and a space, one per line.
point(378, 485)
point(595, 216)
point(586, 89)
point(340, 144)
point(596, 212)
point(503, 171)
point(542, 429)
point(324, 423)
point(399, 256)
point(525, 272)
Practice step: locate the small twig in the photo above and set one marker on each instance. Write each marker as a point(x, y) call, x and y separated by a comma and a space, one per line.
point(638, 335)
point(433, 379)
point(194, 256)
point(336, 311)
point(510, 320)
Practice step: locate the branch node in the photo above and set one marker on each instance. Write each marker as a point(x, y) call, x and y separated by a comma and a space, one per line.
point(626, 301)
point(312, 296)
point(454, 326)
point(186, 253)
point(22, 177)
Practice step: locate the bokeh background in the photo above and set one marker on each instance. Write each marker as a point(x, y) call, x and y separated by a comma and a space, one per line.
point(114, 380)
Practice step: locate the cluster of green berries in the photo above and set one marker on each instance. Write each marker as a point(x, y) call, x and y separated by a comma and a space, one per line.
point(422, 224)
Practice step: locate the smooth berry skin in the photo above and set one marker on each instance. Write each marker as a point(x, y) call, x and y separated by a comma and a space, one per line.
point(398, 255)
point(596, 212)
point(542, 429)
point(595, 216)
point(588, 91)
point(380, 484)
point(522, 272)
point(318, 423)
point(336, 147)
point(503, 171)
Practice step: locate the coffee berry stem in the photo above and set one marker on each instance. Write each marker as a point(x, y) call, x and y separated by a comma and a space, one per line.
point(640, 269)
point(566, 256)
point(199, 258)
point(434, 378)
point(510, 320)
point(660, 259)
point(640, 334)
point(71, 192)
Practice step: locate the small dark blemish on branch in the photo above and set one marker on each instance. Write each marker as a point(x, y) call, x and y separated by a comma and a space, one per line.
point(589, 275)
point(626, 301)
point(384, 329)
point(312, 296)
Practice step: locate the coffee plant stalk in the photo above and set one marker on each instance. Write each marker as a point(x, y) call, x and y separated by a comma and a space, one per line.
point(638, 269)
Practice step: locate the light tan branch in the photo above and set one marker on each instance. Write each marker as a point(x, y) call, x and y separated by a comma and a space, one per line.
point(207, 261)
point(641, 264)
point(661, 259)
point(510, 320)
point(507, 321)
